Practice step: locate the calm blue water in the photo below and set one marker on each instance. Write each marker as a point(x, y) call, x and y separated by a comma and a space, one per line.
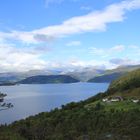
point(32, 99)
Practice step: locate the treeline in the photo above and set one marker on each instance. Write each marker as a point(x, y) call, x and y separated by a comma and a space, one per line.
point(76, 122)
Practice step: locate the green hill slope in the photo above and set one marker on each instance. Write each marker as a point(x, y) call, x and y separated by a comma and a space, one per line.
point(129, 83)
point(106, 78)
point(111, 75)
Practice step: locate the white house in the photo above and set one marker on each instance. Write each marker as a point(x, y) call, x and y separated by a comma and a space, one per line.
point(135, 100)
point(105, 99)
point(115, 100)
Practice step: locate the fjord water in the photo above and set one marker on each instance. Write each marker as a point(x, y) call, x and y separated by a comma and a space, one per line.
point(32, 99)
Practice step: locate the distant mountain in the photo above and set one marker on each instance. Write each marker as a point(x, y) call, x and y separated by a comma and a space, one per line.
point(17, 76)
point(90, 74)
point(85, 74)
point(44, 79)
point(106, 78)
point(82, 74)
point(111, 75)
point(9, 77)
point(126, 68)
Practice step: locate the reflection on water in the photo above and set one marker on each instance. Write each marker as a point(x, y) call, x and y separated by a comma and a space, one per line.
point(32, 99)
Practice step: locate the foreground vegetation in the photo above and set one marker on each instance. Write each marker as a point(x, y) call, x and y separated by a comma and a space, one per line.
point(91, 119)
point(76, 121)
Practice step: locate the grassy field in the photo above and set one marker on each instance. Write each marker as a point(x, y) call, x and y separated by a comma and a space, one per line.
point(121, 105)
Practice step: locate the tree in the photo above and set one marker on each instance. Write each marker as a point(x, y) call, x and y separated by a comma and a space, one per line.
point(4, 105)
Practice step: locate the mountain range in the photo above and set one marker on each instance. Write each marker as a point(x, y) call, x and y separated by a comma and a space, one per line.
point(89, 74)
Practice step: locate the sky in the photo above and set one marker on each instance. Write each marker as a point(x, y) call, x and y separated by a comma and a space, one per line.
point(68, 34)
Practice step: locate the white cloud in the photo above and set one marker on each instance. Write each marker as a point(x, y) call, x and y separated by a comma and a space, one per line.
point(73, 64)
point(135, 51)
point(74, 43)
point(20, 59)
point(92, 22)
point(105, 52)
point(49, 2)
point(98, 64)
point(97, 51)
point(118, 48)
point(135, 48)
point(87, 8)
point(124, 61)
point(15, 59)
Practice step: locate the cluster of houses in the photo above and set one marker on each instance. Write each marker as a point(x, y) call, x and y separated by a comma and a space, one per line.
point(118, 99)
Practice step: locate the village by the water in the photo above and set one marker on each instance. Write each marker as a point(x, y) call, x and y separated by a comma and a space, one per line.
point(119, 99)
